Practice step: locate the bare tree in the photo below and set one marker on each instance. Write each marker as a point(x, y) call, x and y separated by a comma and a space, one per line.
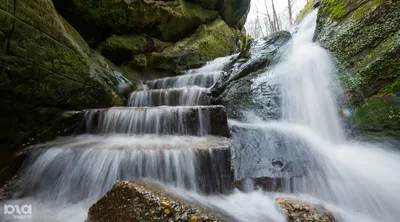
point(275, 16)
point(290, 9)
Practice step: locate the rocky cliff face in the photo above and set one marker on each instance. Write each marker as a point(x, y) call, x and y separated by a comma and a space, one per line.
point(46, 68)
point(365, 38)
point(154, 35)
point(48, 71)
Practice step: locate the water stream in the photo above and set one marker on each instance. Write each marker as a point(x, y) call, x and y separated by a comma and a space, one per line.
point(356, 180)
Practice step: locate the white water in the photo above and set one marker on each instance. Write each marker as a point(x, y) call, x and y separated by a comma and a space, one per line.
point(358, 181)
point(158, 120)
point(189, 89)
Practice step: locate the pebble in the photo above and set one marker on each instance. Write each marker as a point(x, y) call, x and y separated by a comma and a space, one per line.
point(164, 204)
point(167, 211)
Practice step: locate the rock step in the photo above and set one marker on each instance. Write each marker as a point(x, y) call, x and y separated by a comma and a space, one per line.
point(170, 97)
point(170, 120)
point(143, 201)
point(88, 165)
point(273, 159)
point(206, 80)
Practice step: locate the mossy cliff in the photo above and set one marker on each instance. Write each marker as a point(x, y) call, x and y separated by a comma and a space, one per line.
point(141, 30)
point(364, 36)
point(46, 70)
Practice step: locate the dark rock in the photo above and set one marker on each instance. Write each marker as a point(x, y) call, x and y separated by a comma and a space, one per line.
point(234, 12)
point(142, 201)
point(238, 91)
point(167, 20)
point(269, 158)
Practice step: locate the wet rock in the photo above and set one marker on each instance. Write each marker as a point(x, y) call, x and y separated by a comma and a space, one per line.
point(142, 201)
point(238, 90)
point(10, 187)
point(296, 211)
point(268, 159)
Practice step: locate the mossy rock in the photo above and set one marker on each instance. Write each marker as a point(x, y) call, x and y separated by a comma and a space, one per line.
point(46, 68)
point(120, 49)
point(379, 115)
point(207, 43)
point(364, 36)
point(169, 21)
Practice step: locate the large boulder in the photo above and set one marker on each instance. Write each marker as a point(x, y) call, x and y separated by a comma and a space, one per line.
point(365, 38)
point(144, 201)
point(46, 68)
point(238, 91)
point(207, 43)
point(234, 12)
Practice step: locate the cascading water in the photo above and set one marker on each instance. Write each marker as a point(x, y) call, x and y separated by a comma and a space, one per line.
point(176, 145)
point(189, 89)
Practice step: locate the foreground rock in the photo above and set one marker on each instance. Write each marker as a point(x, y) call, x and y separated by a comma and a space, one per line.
point(365, 38)
point(142, 201)
point(46, 68)
point(296, 211)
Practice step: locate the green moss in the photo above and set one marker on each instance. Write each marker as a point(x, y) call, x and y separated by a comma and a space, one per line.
point(377, 114)
point(336, 8)
point(364, 10)
point(207, 43)
point(307, 9)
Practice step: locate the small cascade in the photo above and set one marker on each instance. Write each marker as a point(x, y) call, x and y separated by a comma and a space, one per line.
point(190, 89)
point(170, 97)
point(178, 120)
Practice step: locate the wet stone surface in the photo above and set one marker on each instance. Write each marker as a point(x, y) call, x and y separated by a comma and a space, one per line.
point(142, 201)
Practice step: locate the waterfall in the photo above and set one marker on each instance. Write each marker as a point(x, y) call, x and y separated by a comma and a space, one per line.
point(169, 133)
point(357, 180)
